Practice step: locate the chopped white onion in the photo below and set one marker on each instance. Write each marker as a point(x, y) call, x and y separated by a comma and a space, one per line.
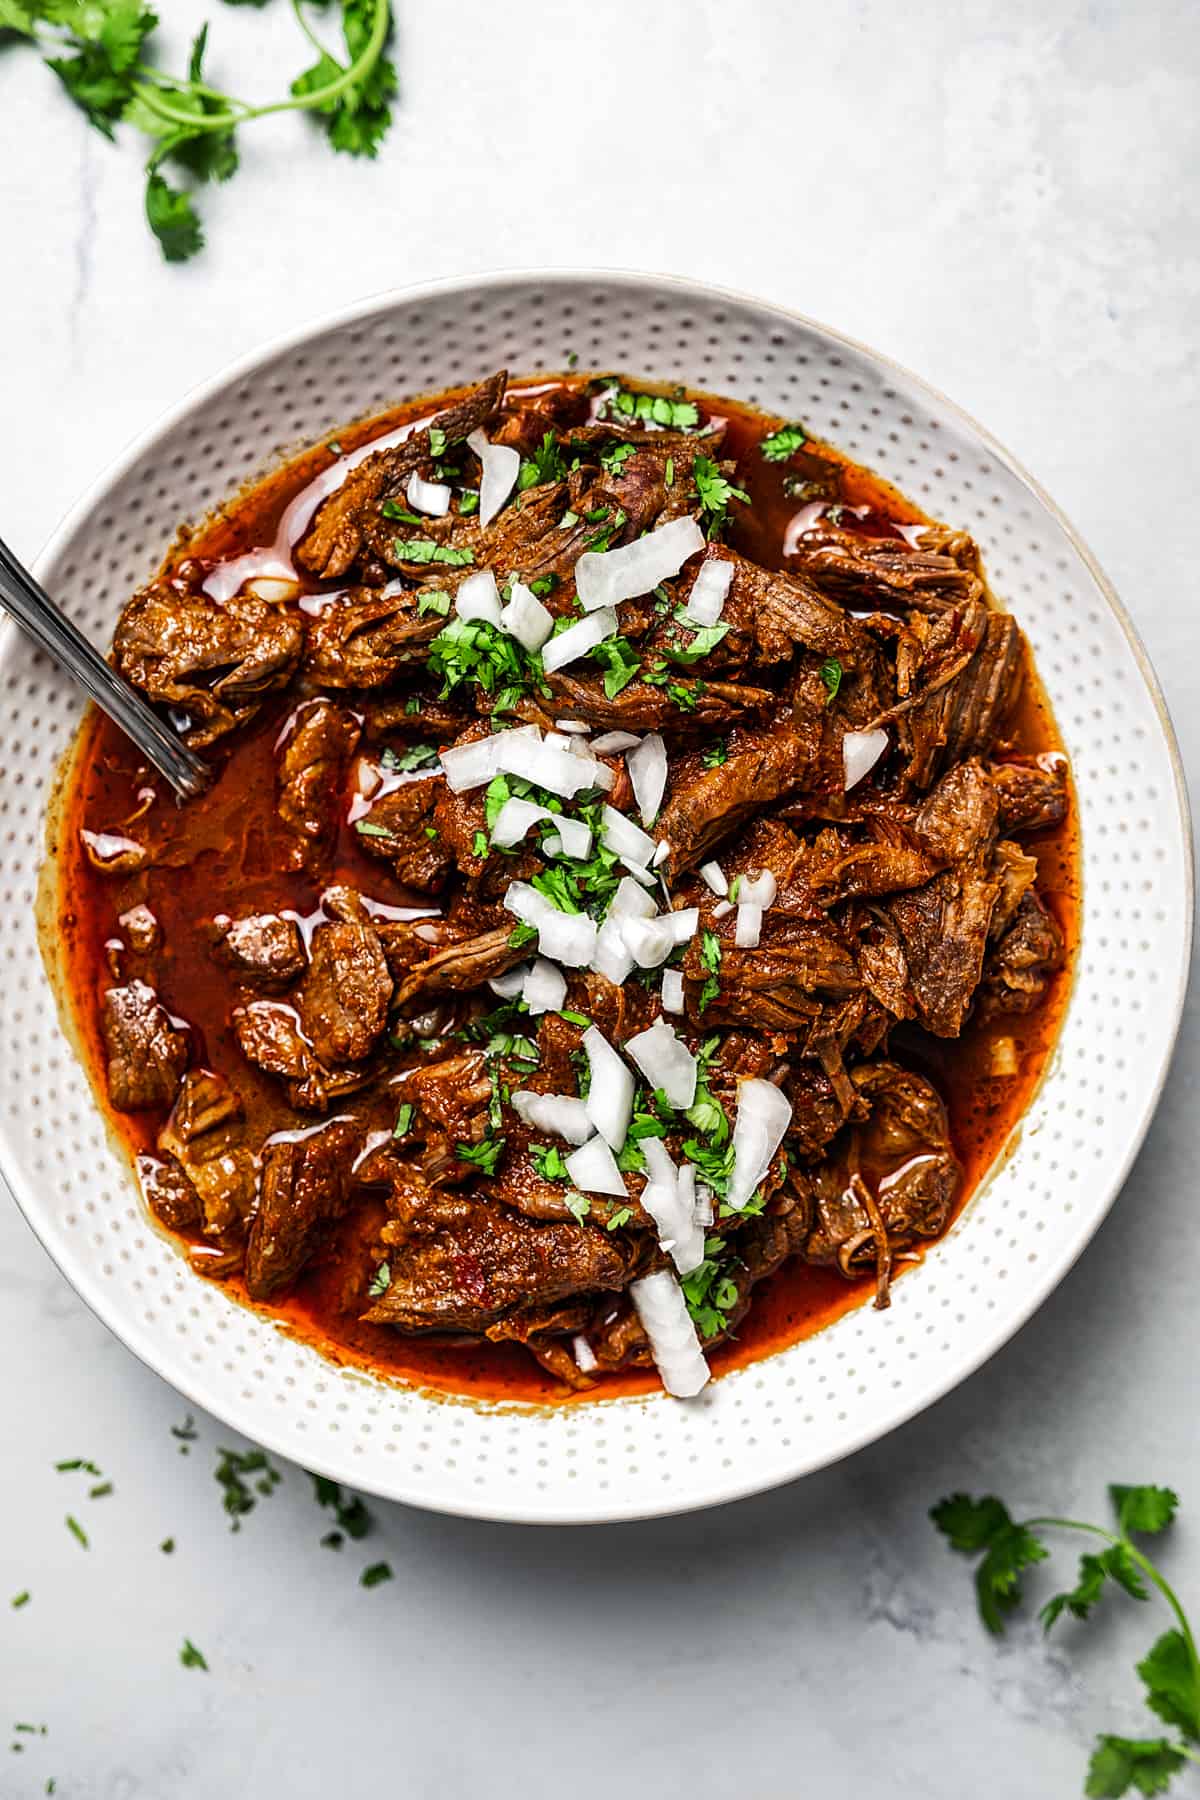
point(722, 908)
point(628, 840)
point(574, 838)
point(526, 903)
point(544, 989)
point(661, 853)
point(666, 1062)
point(683, 924)
point(525, 618)
point(748, 929)
point(509, 985)
point(704, 1202)
point(563, 1114)
point(574, 725)
point(585, 1356)
point(432, 497)
point(578, 639)
point(647, 767)
point(612, 956)
point(526, 753)
point(594, 1169)
point(636, 870)
point(471, 765)
point(606, 577)
point(610, 1095)
point(660, 1305)
point(604, 777)
point(568, 938)
point(672, 990)
point(630, 901)
point(669, 1198)
point(478, 597)
point(861, 750)
point(651, 941)
point(713, 876)
point(514, 820)
point(764, 1113)
point(501, 464)
point(611, 743)
point(710, 590)
point(760, 891)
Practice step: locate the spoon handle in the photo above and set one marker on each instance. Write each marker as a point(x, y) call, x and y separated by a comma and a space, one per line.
point(41, 619)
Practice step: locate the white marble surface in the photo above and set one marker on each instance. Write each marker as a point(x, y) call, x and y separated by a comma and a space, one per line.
point(1007, 205)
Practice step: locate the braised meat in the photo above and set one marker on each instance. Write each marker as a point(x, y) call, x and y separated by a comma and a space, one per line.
point(635, 832)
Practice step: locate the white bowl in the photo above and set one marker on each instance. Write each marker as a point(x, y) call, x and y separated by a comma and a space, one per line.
point(805, 1406)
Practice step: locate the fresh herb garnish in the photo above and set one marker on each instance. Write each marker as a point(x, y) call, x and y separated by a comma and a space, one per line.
point(484, 1155)
point(413, 756)
point(77, 1531)
point(710, 1291)
point(391, 509)
point(20, 1600)
point(365, 828)
point(612, 459)
point(101, 1490)
point(831, 675)
point(621, 1217)
point(710, 957)
point(781, 444)
point(380, 1281)
point(101, 52)
point(521, 934)
point(715, 492)
point(168, 1546)
point(656, 409)
point(404, 1119)
point(704, 639)
point(546, 464)
point(620, 663)
point(575, 1018)
point(579, 1206)
point(351, 1511)
point(377, 1572)
point(547, 1159)
point(190, 1657)
point(433, 602)
point(1170, 1672)
point(237, 1498)
point(716, 754)
point(471, 650)
point(428, 550)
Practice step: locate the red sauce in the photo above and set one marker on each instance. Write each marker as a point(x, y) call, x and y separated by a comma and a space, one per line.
point(217, 847)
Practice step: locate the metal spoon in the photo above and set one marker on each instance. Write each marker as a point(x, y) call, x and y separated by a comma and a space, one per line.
point(38, 616)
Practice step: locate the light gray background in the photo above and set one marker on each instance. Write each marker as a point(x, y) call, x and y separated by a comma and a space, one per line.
point(1002, 195)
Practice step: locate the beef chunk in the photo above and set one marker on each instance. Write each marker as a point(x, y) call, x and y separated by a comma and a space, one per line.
point(865, 572)
point(264, 949)
point(146, 1053)
point(644, 707)
point(269, 1035)
point(779, 985)
point(460, 967)
point(459, 1263)
point(396, 831)
point(204, 1137)
point(215, 663)
point(1033, 795)
point(351, 514)
point(895, 1178)
point(169, 1194)
point(364, 637)
point(705, 805)
point(343, 999)
point(1020, 967)
point(320, 739)
point(956, 688)
point(305, 1186)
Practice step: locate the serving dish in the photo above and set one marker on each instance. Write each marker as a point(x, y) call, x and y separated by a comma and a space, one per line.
point(808, 1405)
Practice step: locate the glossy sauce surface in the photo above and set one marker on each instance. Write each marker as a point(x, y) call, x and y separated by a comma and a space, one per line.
point(218, 847)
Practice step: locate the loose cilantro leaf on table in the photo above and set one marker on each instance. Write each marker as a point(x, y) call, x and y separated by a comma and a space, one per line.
point(191, 1658)
point(1170, 1671)
point(102, 52)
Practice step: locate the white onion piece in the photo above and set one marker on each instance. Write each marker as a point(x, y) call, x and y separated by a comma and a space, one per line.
point(585, 1356)
point(630, 901)
point(748, 929)
point(628, 840)
point(594, 1169)
point(672, 990)
point(479, 598)
point(661, 854)
point(604, 777)
point(525, 618)
point(660, 1305)
point(636, 870)
point(501, 465)
point(721, 908)
point(610, 1096)
point(471, 765)
point(647, 767)
point(683, 924)
point(710, 590)
point(577, 640)
point(760, 891)
point(575, 838)
point(575, 725)
point(704, 1202)
point(526, 903)
point(666, 1062)
point(568, 938)
point(509, 985)
point(546, 764)
point(651, 941)
point(432, 497)
point(669, 1199)
point(611, 743)
point(764, 1113)
point(514, 820)
point(861, 750)
point(563, 1114)
point(612, 956)
point(544, 989)
point(713, 876)
point(606, 577)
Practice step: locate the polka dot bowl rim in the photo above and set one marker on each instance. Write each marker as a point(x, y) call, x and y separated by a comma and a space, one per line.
point(829, 1395)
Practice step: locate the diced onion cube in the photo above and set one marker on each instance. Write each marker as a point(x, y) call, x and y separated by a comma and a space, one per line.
point(666, 1062)
point(672, 990)
point(593, 1168)
point(861, 750)
point(764, 1113)
point(748, 928)
point(610, 1093)
point(563, 1114)
point(544, 989)
point(604, 578)
point(706, 602)
point(569, 645)
point(478, 598)
point(525, 618)
point(432, 497)
point(501, 465)
point(660, 1305)
point(647, 766)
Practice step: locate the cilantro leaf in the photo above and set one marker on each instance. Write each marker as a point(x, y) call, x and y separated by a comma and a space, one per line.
point(716, 754)
point(779, 445)
point(483, 1155)
point(1172, 1690)
point(1093, 1571)
point(714, 492)
point(620, 663)
point(357, 114)
point(655, 409)
point(1144, 1765)
point(380, 1281)
point(831, 675)
point(974, 1525)
point(1146, 1509)
point(190, 1657)
point(173, 220)
point(546, 464)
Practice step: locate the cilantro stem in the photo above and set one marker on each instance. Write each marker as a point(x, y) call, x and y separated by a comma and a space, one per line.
point(306, 28)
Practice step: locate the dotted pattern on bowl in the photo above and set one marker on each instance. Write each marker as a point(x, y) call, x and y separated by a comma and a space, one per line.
point(806, 1406)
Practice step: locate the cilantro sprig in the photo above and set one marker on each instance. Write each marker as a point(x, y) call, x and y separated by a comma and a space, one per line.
point(102, 53)
point(1170, 1671)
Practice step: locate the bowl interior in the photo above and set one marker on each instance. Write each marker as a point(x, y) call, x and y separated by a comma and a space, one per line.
point(812, 1403)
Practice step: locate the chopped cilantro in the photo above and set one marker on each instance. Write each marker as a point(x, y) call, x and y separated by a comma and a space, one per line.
point(190, 1657)
point(621, 1217)
point(468, 502)
point(548, 1161)
point(575, 1018)
point(520, 935)
point(543, 585)
point(579, 1206)
point(377, 1572)
point(706, 638)
point(20, 1600)
point(480, 844)
point(77, 1531)
point(620, 663)
point(669, 472)
point(484, 1155)
point(351, 1511)
point(781, 444)
point(434, 602)
point(392, 510)
point(365, 828)
point(677, 415)
point(716, 754)
point(101, 1490)
point(77, 1462)
point(168, 1546)
point(427, 550)
point(472, 650)
point(404, 1119)
point(233, 1466)
point(831, 675)
point(437, 441)
point(414, 756)
point(546, 464)
point(715, 492)
point(612, 459)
